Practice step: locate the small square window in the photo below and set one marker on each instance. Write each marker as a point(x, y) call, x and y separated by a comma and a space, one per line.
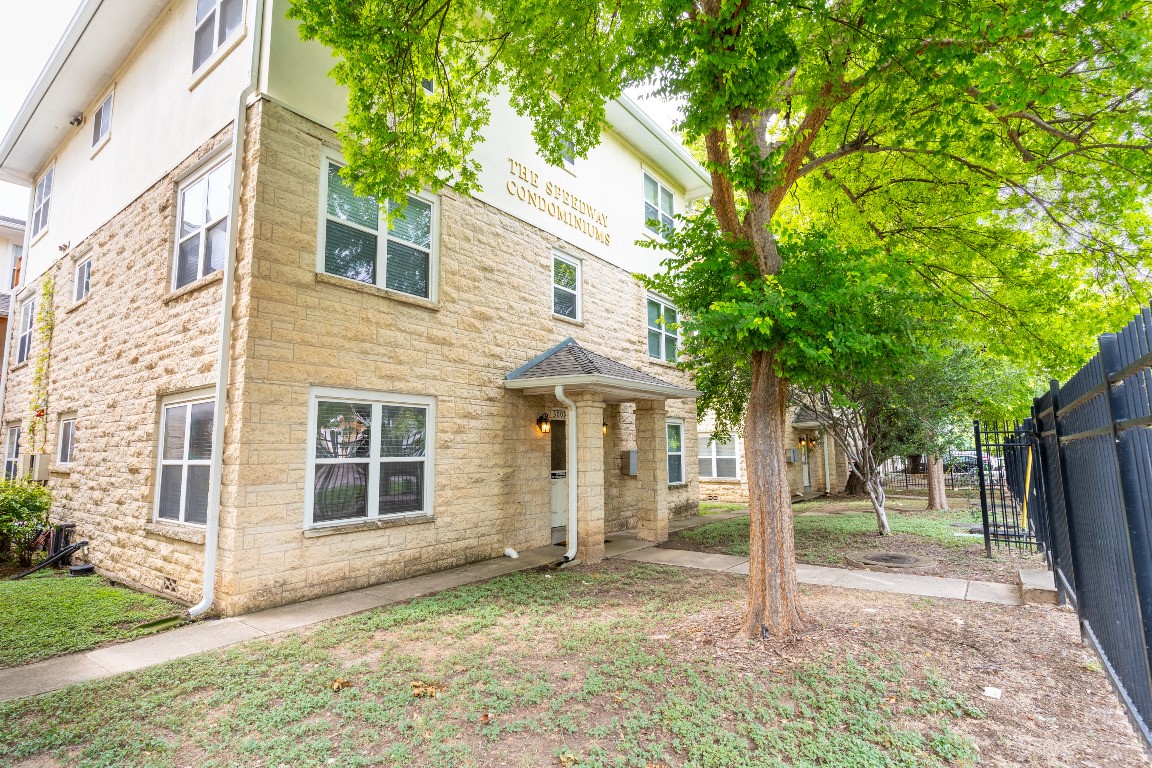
point(658, 207)
point(717, 460)
point(67, 444)
point(102, 121)
point(83, 280)
point(216, 20)
point(566, 286)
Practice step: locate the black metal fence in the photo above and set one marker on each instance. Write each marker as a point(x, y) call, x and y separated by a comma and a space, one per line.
point(1090, 497)
point(1010, 482)
point(911, 473)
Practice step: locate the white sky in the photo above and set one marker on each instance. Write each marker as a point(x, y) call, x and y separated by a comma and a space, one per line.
point(37, 27)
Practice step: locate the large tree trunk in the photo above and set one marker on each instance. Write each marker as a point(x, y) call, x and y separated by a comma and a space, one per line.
point(772, 600)
point(875, 487)
point(937, 499)
point(855, 485)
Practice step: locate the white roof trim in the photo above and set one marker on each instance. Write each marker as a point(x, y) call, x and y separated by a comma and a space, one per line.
point(599, 381)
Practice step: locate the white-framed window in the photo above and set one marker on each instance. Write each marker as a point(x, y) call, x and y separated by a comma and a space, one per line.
point(186, 424)
point(566, 286)
point(429, 85)
point(371, 455)
point(83, 280)
point(12, 453)
point(202, 224)
point(675, 451)
point(27, 326)
point(14, 267)
point(658, 210)
point(41, 202)
point(357, 242)
point(102, 121)
point(66, 446)
point(569, 153)
point(216, 20)
point(663, 335)
point(717, 460)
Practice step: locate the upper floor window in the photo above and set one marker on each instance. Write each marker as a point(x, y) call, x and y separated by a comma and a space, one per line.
point(569, 152)
point(102, 122)
point(358, 243)
point(717, 460)
point(371, 456)
point(27, 321)
point(14, 271)
point(83, 280)
point(202, 235)
point(41, 201)
point(675, 451)
point(185, 460)
point(663, 336)
point(657, 205)
point(566, 286)
point(216, 20)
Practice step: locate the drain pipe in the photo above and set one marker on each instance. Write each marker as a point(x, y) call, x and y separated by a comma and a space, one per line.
point(570, 555)
point(827, 468)
point(223, 357)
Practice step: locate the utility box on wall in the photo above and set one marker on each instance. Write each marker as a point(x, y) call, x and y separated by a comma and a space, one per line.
point(628, 463)
point(35, 466)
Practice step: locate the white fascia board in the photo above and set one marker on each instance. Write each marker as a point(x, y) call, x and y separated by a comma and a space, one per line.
point(667, 391)
point(666, 153)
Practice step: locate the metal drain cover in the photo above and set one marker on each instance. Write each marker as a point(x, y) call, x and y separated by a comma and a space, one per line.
point(880, 558)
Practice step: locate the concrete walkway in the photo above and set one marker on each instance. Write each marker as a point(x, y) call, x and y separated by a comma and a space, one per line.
point(60, 672)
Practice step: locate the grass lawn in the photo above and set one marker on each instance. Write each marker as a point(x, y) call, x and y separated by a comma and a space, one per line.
point(714, 507)
point(48, 614)
point(620, 664)
point(828, 529)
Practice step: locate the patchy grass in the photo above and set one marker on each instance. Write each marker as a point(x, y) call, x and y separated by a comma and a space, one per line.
point(48, 614)
point(715, 507)
point(580, 667)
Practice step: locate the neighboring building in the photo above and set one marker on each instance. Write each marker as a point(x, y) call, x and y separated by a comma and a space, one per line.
point(817, 464)
point(11, 258)
point(392, 401)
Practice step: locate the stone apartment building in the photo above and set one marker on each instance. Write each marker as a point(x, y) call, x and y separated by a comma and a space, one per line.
point(252, 384)
point(11, 256)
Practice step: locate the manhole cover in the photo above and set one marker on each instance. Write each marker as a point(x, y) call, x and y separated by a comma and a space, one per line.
point(881, 559)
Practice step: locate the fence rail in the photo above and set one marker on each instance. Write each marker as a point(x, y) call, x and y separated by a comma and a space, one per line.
point(1091, 443)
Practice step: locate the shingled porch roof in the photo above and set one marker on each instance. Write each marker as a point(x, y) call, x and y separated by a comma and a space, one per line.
point(575, 368)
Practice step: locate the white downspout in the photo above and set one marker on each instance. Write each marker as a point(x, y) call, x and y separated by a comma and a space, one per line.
point(570, 555)
point(827, 468)
point(223, 358)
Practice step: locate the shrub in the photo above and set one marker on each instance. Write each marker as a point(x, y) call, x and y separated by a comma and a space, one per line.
point(23, 514)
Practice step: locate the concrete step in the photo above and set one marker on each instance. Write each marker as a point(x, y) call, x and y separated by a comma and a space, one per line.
point(1038, 588)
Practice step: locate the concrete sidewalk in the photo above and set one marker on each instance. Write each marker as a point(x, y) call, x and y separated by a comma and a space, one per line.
point(60, 672)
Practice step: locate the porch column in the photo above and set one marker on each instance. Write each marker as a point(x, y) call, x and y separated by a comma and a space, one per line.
point(652, 470)
point(589, 476)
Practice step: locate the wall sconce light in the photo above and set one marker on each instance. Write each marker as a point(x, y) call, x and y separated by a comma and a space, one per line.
point(807, 442)
point(604, 427)
point(544, 424)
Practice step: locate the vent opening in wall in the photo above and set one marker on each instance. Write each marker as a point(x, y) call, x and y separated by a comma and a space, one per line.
point(168, 584)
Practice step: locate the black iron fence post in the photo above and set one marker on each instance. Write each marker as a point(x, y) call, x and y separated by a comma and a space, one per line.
point(1073, 567)
point(983, 493)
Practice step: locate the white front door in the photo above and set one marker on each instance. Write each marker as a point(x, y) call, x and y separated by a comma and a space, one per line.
point(559, 476)
point(804, 464)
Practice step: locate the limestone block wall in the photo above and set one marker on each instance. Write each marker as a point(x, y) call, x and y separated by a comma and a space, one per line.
point(114, 355)
point(494, 313)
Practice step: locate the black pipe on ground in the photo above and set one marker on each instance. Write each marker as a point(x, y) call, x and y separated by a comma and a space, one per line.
point(61, 555)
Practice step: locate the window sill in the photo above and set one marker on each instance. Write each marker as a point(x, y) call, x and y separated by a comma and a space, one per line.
point(375, 290)
point(18, 366)
point(218, 56)
point(77, 304)
point(720, 480)
point(39, 235)
point(186, 533)
point(101, 144)
point(681, 484)
point(63, 469)
point(368, 525)
point(663, 363)
point(194, 286)
point(569, 320)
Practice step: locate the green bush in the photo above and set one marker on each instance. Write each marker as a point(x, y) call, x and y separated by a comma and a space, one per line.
point(24, 509)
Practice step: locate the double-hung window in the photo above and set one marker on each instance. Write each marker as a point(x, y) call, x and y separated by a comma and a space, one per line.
point(658, 213)
point(83, 280)
point(102, 122)
point(27, 323)
point(41, 202)
point(675, 452)
point(185, 460)
point(359, 243)
point(67, 443)
point(14, 271)
point(371, 456)
point(12, 453)
point(566, 286)
point(216, 20)
point(663, 335)
point(717, 460)
point(202, 235)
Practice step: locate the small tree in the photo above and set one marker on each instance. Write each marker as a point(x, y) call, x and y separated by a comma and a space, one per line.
point(24, 509)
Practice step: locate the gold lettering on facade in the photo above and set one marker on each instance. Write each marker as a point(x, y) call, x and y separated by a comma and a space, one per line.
point(557, 202)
